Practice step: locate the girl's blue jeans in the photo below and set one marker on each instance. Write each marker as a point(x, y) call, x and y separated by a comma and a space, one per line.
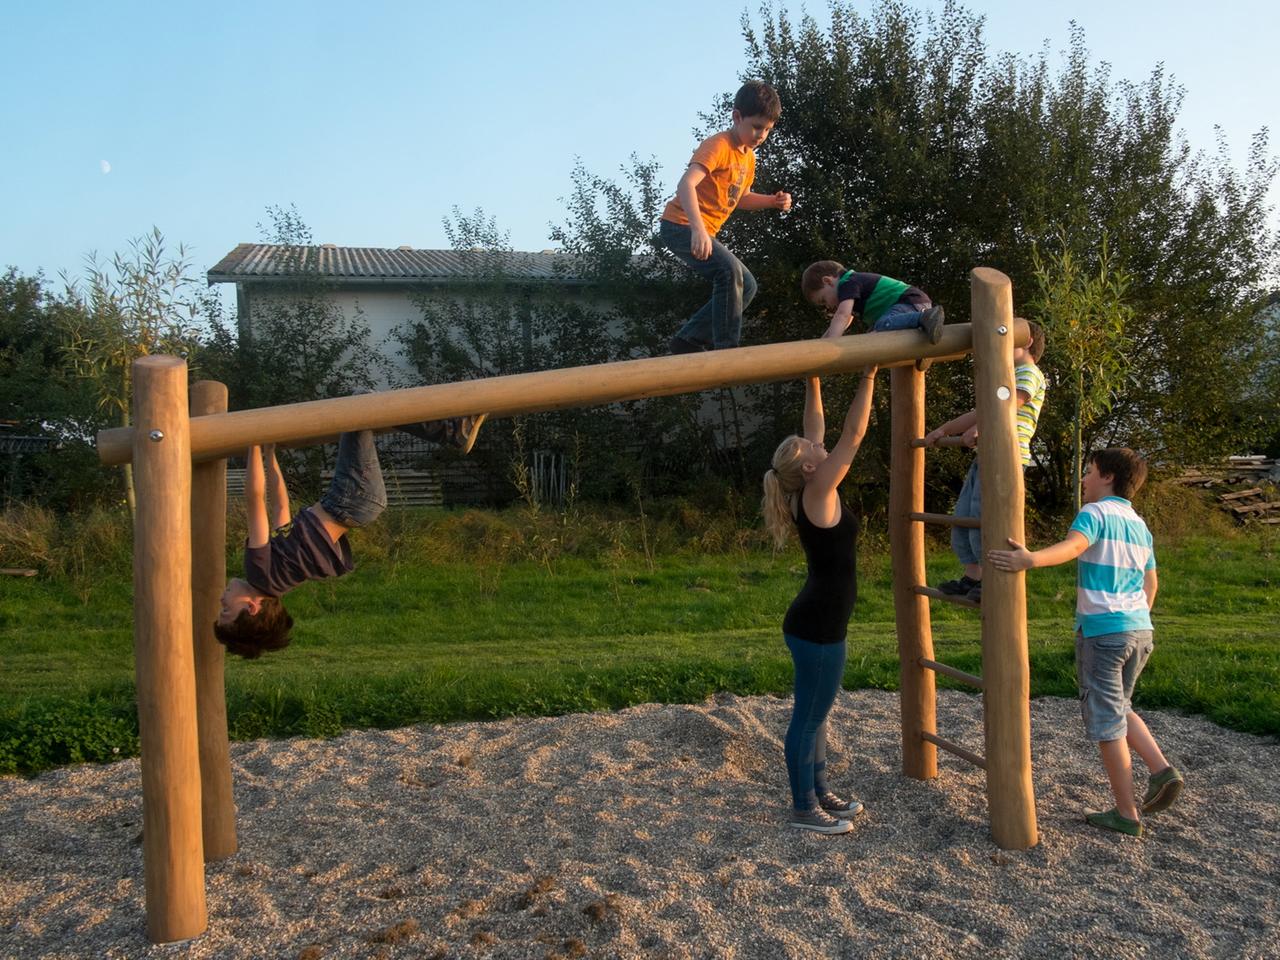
point(819, 672)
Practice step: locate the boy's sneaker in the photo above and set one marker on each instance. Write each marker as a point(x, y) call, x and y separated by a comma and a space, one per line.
point(1112, 820)
point(976, 593)
point(958, 588)
point(1162, 789)
point(932, 322)
point(838, 807)
point(464, 438)
point(680, 345)
point(818, 820)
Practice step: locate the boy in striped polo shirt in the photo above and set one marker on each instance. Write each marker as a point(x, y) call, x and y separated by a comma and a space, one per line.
point(1115, 588)
point(966, 542)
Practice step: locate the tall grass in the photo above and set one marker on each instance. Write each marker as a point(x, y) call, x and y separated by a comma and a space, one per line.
point(474, 614)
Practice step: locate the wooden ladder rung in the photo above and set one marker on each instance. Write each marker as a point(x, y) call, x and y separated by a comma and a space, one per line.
point(958, 750)
point(948, 597)
point(943, 442)
point(948, 520)
point(952, 672)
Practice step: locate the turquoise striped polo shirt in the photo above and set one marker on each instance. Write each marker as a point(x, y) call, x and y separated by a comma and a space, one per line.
point(1109, 574)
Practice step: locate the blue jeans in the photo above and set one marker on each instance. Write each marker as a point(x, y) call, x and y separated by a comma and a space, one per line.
point(819, 672)
point(718, 323)
point(966, 543)
point(901, 316)
point(356, 496)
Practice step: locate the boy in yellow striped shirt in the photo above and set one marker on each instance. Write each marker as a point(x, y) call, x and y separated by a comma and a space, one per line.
point(966, 543)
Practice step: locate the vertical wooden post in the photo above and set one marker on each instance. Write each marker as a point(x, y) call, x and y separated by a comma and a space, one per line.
point(1005, 668)
point(172, 849)
point(208, 577)
point(906, 542)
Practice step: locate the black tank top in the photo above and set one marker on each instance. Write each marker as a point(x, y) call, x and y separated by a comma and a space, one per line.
point(820, 612)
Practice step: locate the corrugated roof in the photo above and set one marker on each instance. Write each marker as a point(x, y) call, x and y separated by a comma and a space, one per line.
point(267, 261)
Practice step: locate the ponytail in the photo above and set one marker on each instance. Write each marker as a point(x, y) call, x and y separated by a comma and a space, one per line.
point(782, 482)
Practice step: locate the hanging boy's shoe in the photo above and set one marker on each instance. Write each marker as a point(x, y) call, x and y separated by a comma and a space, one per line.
point(976, 593)
point(468, 429)
point(459, 432)
point(932, 322)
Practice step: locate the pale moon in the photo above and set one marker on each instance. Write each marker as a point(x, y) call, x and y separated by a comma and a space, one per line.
point(106, 167)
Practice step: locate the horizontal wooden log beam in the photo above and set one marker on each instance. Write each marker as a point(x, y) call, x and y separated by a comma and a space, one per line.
point(956, 749)
point(969, 678)
point(224, 434)
point(958, 599)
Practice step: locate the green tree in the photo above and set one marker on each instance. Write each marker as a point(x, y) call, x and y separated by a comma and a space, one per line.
point(1085, 316)
point(143, 302)
point(40, 396)
point(912, 150)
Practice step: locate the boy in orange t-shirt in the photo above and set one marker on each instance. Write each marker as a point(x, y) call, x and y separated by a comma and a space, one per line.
point(717, 182)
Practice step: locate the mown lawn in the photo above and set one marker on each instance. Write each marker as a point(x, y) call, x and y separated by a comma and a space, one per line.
point(399, 642)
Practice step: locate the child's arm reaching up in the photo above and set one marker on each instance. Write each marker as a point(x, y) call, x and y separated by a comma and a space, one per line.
point(840, 320)
point(278, 492)
point(815, 422)
point(255, 499)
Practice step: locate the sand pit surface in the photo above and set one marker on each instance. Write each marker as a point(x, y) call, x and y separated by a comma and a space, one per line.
point(658, 832)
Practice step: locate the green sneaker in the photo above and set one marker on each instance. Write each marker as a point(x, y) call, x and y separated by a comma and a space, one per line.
point(1111, 820)
point(1162, 789)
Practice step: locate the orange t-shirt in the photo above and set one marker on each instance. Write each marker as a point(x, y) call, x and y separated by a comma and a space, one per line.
point(730, 173)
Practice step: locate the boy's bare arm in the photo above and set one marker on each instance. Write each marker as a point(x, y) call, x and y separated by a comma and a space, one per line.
point(1150, 584)
point(1020, 558)
point(951, 428)
point(766, 201)
point(840, 320)
point(277, 492)
point(255, 499)
point(687, 194)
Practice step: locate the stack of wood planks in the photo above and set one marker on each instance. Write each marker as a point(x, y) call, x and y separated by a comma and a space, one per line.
point(1256, 498)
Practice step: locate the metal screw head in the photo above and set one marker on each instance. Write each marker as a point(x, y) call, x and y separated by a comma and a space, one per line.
point(1002, 329)
point(156, 436)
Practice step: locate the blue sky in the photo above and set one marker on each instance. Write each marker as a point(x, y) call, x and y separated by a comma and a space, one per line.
point(205, 114)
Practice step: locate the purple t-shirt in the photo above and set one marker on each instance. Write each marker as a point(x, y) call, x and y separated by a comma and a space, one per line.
point(298, 551)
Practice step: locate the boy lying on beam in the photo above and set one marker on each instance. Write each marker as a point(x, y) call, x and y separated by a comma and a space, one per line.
point(286, 551)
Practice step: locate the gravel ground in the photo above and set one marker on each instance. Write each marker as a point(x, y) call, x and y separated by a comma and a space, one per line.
point(658, 832)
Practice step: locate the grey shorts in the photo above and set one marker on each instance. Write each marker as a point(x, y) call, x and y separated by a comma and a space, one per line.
point(1107, 667)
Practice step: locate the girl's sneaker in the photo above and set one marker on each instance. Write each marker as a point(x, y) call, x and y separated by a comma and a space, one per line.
point(838, 807)
point(818, 820)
